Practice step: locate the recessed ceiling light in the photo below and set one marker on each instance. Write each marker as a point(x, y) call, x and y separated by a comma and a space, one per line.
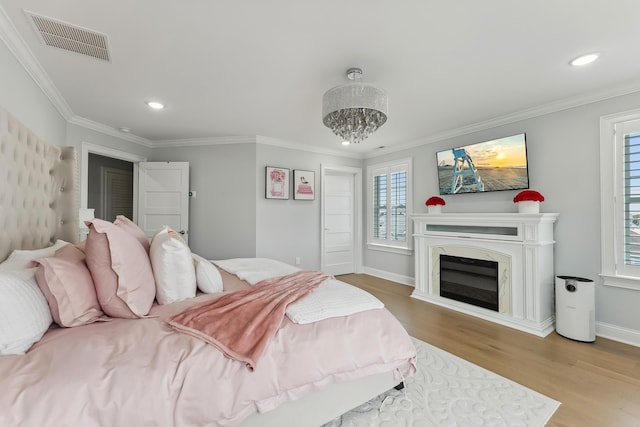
point(345, 143)
point(584, 59)
point(155, 105)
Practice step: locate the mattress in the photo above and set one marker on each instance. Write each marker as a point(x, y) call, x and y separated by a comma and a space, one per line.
point(141, 372)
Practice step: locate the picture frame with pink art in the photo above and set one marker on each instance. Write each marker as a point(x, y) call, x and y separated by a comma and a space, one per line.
point(276, 183)
point(304, 185)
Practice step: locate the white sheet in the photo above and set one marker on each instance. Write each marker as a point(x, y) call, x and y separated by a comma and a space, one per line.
point(253, 270)
point(331, 299)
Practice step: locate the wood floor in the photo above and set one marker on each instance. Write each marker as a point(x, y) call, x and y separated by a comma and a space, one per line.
point(597, 383)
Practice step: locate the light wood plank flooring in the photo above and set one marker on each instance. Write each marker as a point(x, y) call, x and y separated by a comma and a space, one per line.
point(597, 383)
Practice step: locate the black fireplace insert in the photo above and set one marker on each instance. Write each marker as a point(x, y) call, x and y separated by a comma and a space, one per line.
point(469, 280)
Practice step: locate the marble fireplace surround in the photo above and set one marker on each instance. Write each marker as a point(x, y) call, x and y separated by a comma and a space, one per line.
point(522, 244)
point(504, 269)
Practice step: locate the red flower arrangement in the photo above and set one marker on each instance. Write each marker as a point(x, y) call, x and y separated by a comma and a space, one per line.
point(528, 196)
point(435, 201)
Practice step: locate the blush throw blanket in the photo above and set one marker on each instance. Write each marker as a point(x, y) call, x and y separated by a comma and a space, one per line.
point(241, 323)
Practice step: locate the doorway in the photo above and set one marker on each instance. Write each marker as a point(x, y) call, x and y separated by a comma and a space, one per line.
point(110, 187)
point(110, 157)
point(341, 220)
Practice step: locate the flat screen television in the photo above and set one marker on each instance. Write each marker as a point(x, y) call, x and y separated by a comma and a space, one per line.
point(496, 165)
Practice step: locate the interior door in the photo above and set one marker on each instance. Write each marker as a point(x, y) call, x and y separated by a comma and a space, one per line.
point(163, 197)
point(116, 193)
point(339, 242)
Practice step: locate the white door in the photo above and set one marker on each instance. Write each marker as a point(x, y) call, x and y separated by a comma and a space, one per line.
point(163, 197)
point(340, 250)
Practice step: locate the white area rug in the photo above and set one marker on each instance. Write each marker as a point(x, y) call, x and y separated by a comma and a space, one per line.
point(449, 391)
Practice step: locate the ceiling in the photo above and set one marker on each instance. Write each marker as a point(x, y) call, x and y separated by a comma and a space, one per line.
point(260, 67)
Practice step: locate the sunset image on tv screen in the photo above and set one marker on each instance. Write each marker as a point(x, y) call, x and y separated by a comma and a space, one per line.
point(499, 164)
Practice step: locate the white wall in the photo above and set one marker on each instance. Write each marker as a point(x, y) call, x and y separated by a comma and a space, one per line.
point(222, 217)
point(230, 216)
point(24, 99)
point(76, 135)
point(286, 229)
point(563, 154)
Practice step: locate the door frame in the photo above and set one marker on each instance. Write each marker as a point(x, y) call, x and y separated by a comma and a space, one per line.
point(115, 154)
point(357, 212)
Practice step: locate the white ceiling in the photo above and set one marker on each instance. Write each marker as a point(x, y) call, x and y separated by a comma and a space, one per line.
point(260, 67)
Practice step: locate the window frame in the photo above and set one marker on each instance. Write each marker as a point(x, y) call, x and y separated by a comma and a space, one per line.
point(388, 168)
point(614, 272)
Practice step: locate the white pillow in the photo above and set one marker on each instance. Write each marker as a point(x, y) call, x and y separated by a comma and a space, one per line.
point(172, 266)
point(21, 258)
point(208, 277)
point(24, 312)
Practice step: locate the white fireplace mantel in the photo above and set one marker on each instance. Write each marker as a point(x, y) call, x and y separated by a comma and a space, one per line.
point(522, 243)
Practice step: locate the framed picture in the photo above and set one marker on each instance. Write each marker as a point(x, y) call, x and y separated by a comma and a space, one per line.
point(304, 187)
point(277, 183)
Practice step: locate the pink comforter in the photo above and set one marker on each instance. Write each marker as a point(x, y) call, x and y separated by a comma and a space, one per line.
point(242, 323)
point(142, 373)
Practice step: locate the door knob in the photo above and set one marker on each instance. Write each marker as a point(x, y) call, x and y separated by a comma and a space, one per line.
point(182, 232)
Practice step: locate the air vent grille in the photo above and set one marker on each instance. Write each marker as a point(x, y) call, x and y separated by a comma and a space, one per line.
point(69, 37)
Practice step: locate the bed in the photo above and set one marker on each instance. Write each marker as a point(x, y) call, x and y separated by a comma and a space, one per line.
point(106, 366)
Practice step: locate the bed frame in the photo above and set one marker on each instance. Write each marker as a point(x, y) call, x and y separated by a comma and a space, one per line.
point(38, 192)
point(38, 205)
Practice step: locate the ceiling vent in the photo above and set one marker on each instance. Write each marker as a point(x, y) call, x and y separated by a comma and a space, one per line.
point(70, 37)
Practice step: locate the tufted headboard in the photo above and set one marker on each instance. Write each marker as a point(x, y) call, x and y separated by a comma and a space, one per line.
point(37, 189)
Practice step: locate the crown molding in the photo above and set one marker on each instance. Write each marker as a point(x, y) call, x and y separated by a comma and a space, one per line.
point(257, 139)
point(265, 140)
point(197, 142)
point(529, 113)
point(16, 44)
point(108, 130)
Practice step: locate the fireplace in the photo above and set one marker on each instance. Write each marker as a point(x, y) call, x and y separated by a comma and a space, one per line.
point(496, 266)
point(465, 254)
point(469, 280)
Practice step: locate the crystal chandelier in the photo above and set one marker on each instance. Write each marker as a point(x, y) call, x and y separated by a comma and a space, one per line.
point(355, 110)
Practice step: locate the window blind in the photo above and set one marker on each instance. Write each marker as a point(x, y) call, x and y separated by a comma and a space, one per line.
point(380, 206)
point(398, 195)
point(389, 206)
point(632, 199)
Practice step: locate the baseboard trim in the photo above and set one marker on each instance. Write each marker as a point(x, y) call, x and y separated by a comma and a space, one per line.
point(404, 280)
point(618, 333)
point(604, 330)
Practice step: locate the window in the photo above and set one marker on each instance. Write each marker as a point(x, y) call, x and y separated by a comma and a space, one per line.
point(620, 198)
point(631, 185)
point(390, 204)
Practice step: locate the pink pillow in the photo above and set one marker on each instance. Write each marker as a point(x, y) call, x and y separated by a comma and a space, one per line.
point(66, 283)
point(120, 269)
point(132, 228)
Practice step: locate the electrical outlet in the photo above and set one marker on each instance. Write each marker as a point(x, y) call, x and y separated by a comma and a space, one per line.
point(298, 260)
